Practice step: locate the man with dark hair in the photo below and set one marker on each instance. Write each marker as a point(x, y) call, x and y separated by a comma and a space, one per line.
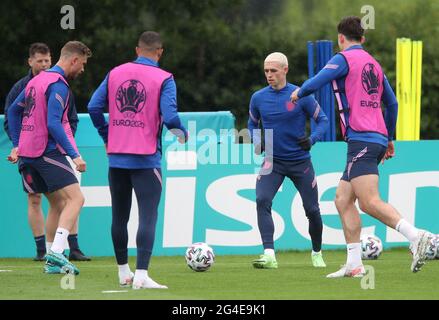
point(360, 86)
point(42, 136)
point(39, 60)
point(150, 41)
point(140, 97)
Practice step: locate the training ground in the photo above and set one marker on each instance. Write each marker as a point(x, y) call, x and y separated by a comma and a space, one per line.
point(230, 278)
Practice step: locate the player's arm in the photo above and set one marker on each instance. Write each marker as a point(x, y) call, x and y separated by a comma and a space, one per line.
point(253, 122)
point(15, 112)
point(10, 98)
point(96, 108)
point(57, 95)
point(334, 69)
point(72, 114)
point(169, 112)
point(314, 111)
point(390, 116)
point(391, 108)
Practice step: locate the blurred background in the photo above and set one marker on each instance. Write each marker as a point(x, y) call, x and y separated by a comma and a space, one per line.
point(216, 48)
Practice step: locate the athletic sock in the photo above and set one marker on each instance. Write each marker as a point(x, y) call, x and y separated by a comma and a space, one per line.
point(407, 230)
point(73, 242)
point(354, 255)
point(124, 268)
point(141, 274)
point(40, 242)
point(60, 240)
point(270, 252)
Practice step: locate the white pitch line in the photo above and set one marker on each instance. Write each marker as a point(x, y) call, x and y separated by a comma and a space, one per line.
point(5, 270)
point(114, 291)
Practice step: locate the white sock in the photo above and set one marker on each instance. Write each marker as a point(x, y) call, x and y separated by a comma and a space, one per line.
point(141, 274)
point(354, 255)
point(124, 269)
point(407, 230)
point(314, 253)
point(59, 243)
point(269, 252)
point(48, 246)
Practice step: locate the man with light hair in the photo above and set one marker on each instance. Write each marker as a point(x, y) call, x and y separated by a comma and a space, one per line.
point(39, 60)
point(287, 155)
point(41, 135)
point(278, 57)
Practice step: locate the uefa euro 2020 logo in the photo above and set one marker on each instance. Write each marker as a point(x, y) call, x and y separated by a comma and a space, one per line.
point(29, 104)
point(130, 98)
point(370, 80)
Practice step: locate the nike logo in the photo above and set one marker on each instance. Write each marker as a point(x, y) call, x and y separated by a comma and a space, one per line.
point(59, 232)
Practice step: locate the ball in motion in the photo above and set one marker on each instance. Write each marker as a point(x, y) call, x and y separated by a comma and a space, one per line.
point(371, 247)
point(199, 256)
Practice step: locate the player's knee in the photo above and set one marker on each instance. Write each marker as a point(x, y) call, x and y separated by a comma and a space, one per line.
point(312, 213)
point(80, 199)
point(341, 202)
point(263, 201)
point(34, 200)
point(366, 205)
point(369, 205)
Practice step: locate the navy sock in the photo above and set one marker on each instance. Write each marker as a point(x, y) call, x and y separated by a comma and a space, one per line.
point(40, 243)
point(73, 241)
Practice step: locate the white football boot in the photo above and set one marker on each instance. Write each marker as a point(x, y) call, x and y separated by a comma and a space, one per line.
point(419, 249)
point(146, 283)
point(126, 279)
point(357, 272)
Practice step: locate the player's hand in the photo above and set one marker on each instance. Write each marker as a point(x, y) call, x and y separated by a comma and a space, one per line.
point(13, 156)
point(294, 96)
point(390, 152)
point(183, 138)
point(80, 164)
point(305, 143)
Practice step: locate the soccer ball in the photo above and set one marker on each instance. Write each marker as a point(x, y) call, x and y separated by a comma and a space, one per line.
point(199, 256)
point(432, 251)
point(371, 247)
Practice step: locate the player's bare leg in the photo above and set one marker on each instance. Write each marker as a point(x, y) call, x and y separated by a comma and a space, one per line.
point(351, 221)
point(73, 200)
point(366, 189)
point(36, 222)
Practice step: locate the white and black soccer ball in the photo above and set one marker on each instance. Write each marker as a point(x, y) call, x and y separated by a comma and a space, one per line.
point(433, 248)
point(371, 247)
point(199, 256)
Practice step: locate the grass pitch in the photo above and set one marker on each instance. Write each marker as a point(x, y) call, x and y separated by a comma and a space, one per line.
point(230, 278)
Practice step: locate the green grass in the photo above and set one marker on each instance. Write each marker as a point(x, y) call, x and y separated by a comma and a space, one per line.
point(231, 277)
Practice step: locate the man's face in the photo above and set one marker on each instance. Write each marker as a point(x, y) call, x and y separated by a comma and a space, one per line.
point(39, 62)
point(77, 66)
point(275, 73)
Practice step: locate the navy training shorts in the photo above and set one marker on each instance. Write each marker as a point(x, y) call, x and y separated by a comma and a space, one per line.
point(362, 159)
point(47, 173)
